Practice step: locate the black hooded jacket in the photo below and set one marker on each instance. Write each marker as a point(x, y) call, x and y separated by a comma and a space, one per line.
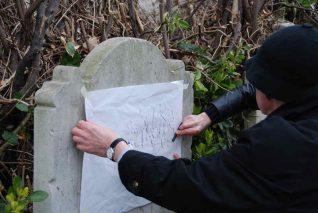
point(272, 168)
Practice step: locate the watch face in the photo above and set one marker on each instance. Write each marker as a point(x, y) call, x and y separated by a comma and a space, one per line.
point(109, 153)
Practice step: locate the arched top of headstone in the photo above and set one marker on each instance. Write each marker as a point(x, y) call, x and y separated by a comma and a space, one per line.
point(124, 61)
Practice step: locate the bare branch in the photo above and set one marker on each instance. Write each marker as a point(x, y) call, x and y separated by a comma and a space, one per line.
point(45, 14)
point(33, 7)
point(3, 38)
point(164, 30)
point(132, 17)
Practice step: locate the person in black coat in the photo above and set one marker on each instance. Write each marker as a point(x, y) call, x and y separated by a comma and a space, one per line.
point(273, 167)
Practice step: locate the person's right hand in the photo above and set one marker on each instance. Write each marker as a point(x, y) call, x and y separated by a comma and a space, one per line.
point(193, 124)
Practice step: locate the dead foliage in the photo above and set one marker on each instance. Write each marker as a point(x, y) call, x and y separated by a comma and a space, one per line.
point(33, 35)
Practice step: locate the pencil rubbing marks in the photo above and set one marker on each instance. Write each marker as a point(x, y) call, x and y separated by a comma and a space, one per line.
point(156, 129)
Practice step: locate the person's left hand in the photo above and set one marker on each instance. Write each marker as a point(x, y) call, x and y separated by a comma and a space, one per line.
point(92, 138)
point(193, 124)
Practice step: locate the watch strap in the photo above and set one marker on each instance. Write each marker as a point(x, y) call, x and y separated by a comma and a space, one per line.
point(116, 141)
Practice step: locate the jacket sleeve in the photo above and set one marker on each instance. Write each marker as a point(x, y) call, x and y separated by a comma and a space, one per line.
point(218, 183)
point(238, 100)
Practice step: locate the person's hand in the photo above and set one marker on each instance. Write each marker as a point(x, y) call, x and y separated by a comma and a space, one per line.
point(92, 138)
point(193, 124)
point(176, 156)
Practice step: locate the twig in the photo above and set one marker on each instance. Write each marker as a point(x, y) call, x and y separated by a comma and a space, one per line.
point(132, 17)
point(85, 35)
point(27, 153)
point(75, 31)
point(169, 6)
point(236, 23)
point(312, 18)
point(7, 7)
point(189, 18)
point(200, 35)
point(139, 23)
point(13, 100)
point(33, 76)
point(94, 12)
point(247, 10)
point(164, 30)
point(109, 26)
point(216, 50)
point(3, 38)
point(20, 7)
point(122, 10)
point(65, 13)
point(109, 6)
point(23, 174)
point(9, 80)
point(256, 7)
point(17, 162)
point(294, 6)
point(5, 167)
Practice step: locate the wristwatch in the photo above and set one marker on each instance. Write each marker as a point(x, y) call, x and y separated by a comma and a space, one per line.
point(110, 150)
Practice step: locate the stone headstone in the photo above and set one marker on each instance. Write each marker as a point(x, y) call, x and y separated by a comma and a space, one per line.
point(115, 62)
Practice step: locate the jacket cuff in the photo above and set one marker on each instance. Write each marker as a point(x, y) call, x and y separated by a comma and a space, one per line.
point(213, 113)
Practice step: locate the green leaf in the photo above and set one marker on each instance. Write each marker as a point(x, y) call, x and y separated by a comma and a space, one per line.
point(307, 3)
point(10, 137)
point(20, 207)
point(199, 87)
point(10, 197)
point(2, 205)
point(70, 48)
point(183, 24)
point(197, 110)
point(200, 149)
point(17, 95)
point(7, 209)
point(188, 47)
point(17, 183)
point(68, 60)
point(208, 135)
point(22, 107)
point(38, 196)
point(197, 75)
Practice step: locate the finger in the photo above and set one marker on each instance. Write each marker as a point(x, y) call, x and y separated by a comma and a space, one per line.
point(77, 131)
point(192, 129)
point(73, 131)
point(81, 147)
point(81, 124)
point(188, 132)
point(175, 156)
point(187, 124)
point(89, 123)
point(188, 117)
point(78, 140)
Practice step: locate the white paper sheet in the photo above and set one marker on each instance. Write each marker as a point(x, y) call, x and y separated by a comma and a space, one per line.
point(145, 115)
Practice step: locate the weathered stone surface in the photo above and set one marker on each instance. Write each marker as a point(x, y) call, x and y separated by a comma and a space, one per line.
point(116, 62)
point(57, 165)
